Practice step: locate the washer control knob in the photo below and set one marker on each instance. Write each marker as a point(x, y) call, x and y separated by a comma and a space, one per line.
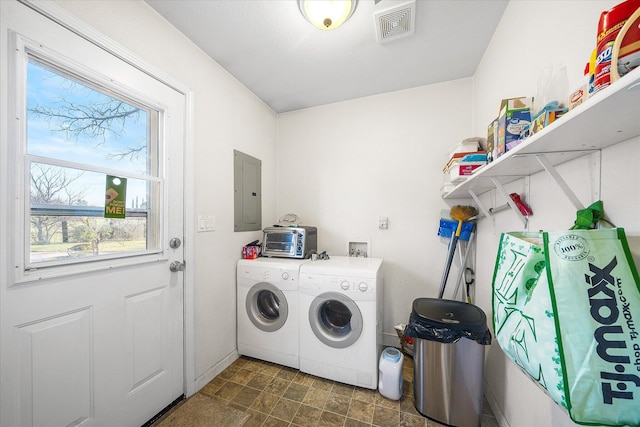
point(285, 276)
point(345, 285)
point(363, 286)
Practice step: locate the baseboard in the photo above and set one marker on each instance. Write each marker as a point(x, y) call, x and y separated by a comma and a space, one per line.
point(213, 371)
point(390, 340)
point(493, 403)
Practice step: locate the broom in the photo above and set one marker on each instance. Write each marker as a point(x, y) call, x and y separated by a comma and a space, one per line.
point(460, 214)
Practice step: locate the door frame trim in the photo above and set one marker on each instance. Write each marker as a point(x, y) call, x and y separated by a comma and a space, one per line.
point(69, 21)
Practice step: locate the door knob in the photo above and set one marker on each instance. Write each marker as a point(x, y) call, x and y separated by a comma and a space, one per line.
point(176, 266)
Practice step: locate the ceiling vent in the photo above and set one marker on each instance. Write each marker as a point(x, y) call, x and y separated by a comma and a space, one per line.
point(395, 23)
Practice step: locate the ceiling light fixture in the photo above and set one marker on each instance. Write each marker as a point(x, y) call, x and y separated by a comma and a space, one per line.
point(327, 14)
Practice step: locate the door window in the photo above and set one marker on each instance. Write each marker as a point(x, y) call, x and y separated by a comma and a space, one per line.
point(78, 134)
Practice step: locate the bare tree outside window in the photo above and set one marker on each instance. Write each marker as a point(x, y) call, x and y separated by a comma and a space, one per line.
point(50, 186)
point(98, 121)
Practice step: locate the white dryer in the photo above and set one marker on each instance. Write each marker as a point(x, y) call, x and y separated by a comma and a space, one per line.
point(267, 310)
point(341, 319)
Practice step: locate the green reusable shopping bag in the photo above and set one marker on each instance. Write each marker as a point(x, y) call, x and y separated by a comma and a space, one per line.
point(566, 309)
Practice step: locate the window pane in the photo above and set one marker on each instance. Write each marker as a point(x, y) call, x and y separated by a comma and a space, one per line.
point(70, 120)
point(77, 133)
point(84, 237)
point(67, 215)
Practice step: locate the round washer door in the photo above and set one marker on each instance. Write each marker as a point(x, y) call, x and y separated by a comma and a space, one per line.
point(267, 307)
point(335, 319)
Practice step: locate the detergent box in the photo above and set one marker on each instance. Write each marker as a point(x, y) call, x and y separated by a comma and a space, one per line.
point(515, 116)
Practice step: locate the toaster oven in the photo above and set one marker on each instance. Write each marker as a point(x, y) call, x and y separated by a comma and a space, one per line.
point(290, 242)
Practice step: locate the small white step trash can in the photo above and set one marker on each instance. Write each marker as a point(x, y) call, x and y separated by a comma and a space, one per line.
point(390, 373)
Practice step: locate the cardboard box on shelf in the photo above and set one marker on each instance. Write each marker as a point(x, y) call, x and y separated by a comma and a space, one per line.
point(515, 116)
point(579, 96)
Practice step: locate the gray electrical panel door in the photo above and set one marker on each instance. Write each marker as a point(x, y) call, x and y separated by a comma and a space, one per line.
point(247, 188)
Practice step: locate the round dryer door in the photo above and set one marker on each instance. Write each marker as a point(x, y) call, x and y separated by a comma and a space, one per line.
point(335, 319)
point(267, 307)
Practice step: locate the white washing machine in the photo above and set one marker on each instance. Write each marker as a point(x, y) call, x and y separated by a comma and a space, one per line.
point(341, 319)
point(267, 311)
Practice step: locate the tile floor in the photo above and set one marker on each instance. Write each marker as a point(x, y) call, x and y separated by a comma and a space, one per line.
point(280, 396)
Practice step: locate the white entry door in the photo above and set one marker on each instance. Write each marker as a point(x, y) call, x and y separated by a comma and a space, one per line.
point(91, 196)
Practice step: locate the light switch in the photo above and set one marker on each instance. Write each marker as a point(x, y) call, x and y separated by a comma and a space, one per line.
point(206, 223)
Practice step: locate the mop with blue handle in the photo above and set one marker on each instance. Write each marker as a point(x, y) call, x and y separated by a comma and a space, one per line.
point(460, 214)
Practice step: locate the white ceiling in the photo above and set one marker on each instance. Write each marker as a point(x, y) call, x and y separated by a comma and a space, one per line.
point(289, 64)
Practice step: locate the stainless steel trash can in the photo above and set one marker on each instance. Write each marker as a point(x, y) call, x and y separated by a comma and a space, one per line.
point(448, 360)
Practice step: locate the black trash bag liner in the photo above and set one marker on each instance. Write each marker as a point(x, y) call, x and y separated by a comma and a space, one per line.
point(447, 321)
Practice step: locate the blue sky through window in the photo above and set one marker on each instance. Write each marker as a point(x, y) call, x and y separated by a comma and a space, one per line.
point(56, 102)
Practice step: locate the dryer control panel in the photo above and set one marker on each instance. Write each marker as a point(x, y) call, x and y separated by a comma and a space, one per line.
point(355, 287)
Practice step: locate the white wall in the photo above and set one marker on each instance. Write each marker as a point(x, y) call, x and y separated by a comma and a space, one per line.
point(222, 109)
point(530, 39)
point(344, 165)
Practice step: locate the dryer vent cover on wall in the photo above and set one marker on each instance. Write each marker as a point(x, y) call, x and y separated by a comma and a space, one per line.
point(395, 23)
